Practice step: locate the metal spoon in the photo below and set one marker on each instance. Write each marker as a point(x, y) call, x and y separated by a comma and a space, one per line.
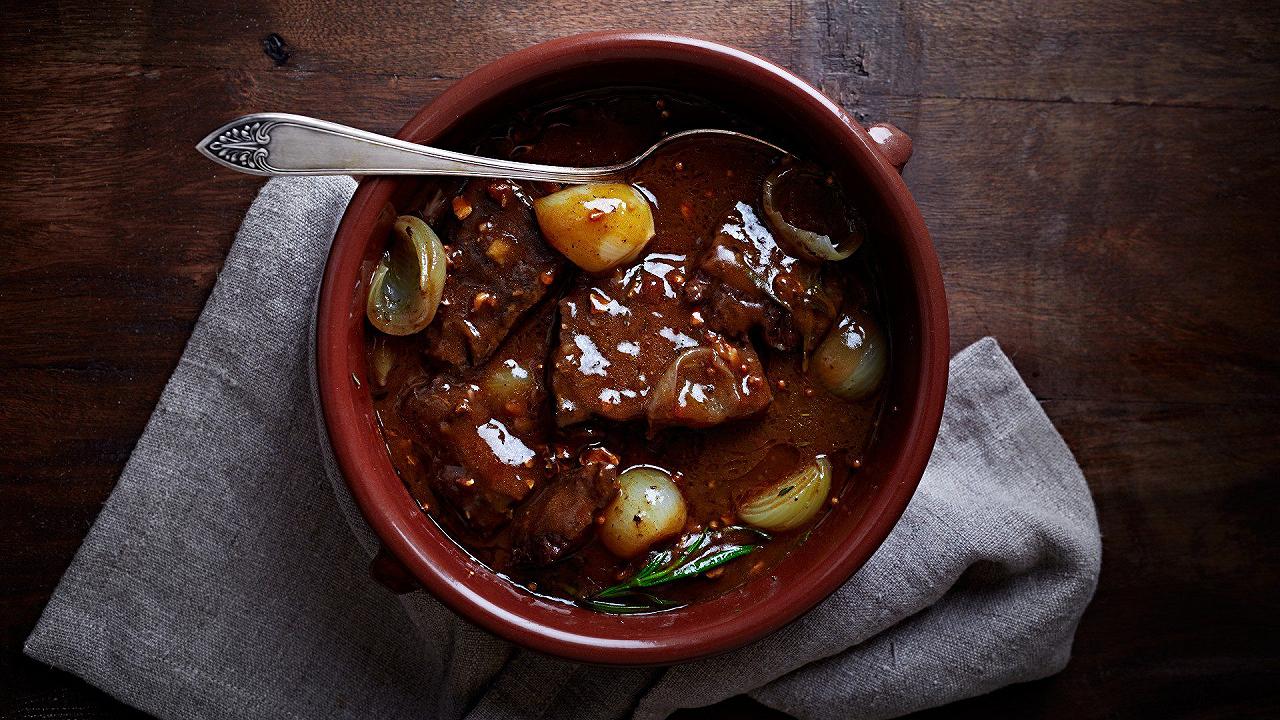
point(283, 144)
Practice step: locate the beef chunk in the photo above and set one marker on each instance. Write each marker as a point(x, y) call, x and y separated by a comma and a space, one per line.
point(487, 427)
point(499, 268)
point(556, 521)
point(622, 337)
point(745, 280)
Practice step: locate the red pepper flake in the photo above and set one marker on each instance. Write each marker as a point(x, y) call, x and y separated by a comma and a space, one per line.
point(501, 192)
point(686, 210)
point(781, 384)
point(483, 300)
point(461, 208)
point(598, 455)
point(679, 166)
point(547, 277)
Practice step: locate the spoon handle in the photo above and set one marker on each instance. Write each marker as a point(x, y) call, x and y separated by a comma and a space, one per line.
point(283, 144)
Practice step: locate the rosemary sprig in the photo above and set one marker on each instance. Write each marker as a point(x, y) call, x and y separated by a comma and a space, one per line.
point(698, 555)
point(639, 602)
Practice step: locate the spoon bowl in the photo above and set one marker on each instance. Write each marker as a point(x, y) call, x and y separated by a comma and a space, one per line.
point(274, 144)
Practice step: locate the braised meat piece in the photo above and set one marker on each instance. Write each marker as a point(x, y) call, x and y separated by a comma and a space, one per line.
point(499, 268)
point(623, 341)
point(488, 426)
point(743, 280)
point(555, 521)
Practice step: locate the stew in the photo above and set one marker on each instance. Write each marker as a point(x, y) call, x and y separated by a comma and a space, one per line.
point(628, 396)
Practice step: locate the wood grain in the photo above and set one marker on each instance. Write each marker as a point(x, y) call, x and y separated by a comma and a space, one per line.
point(1129, 52)
point(1101, 180)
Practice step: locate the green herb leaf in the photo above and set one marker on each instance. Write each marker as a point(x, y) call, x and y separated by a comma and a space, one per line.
point(700, 553)
point(711, 561)
point(641, 602)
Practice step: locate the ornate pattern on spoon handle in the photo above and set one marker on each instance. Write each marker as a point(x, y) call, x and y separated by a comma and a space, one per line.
point(245, 145)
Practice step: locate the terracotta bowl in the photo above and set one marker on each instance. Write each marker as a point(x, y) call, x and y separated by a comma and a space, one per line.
point(912, 293)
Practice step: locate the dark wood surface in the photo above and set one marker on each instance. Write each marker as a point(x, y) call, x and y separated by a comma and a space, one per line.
point(1102, 180)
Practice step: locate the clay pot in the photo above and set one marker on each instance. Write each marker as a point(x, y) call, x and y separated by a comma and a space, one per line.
point(867, 164)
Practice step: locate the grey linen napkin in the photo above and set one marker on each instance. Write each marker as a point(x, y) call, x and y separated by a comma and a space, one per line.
point(221, 580)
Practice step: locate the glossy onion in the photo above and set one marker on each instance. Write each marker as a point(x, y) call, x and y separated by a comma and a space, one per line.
point(648, 509)
point(409, 280)
point(598, 226)
point(508, 382)
point(698, 389)
point(804, 243)
point(792, 501)
point(850, 362)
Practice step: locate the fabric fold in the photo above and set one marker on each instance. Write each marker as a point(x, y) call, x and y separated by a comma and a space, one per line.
point(226, 577)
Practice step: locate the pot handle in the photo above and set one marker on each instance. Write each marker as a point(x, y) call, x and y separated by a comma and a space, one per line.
point(892, 143)
point(391, 574)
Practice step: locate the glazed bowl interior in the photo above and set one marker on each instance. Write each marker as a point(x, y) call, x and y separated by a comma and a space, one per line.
point(911, 296)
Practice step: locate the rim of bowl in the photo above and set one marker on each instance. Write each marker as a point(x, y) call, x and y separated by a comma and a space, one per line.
point(471, 589)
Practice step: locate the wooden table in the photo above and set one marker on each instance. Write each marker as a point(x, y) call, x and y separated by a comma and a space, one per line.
point(1102, 181)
